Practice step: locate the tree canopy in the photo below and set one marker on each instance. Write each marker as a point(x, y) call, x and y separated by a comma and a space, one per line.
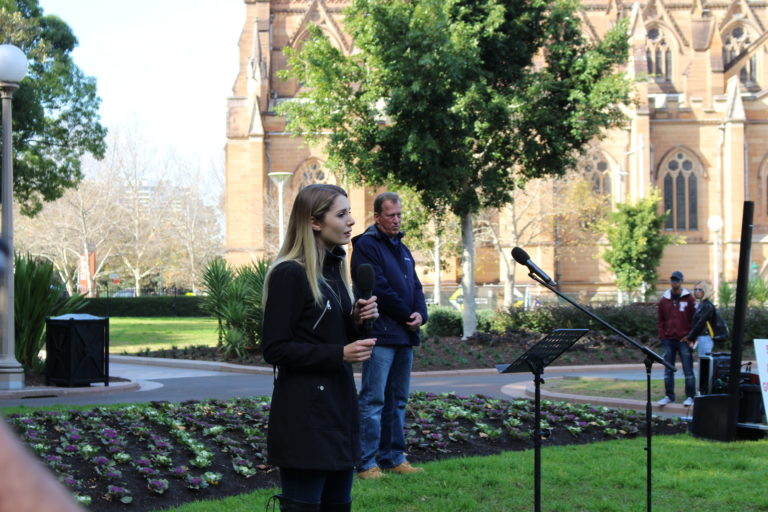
point(637, 243)
point(55, 109)
point(460, 100)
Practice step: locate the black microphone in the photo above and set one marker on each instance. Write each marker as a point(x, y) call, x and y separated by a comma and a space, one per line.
point(523, 259)
point(365, 279)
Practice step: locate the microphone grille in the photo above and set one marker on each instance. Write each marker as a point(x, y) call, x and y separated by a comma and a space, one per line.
point(365, 277)
point(520, 255)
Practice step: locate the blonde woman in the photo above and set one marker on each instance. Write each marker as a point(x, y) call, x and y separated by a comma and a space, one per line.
point(700, 336)
point(311, 336)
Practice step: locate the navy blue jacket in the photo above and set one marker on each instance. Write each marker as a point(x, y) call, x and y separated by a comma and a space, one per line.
point(397, 288)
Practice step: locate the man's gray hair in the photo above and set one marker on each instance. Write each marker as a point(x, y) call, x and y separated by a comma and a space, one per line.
point(385, 196)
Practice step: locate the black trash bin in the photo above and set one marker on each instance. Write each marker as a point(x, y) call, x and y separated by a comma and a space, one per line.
point(77, 350)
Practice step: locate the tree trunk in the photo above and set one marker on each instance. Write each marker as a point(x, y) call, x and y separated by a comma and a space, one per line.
point(508, 272)
point(137, 281)
point(436, 262)
point(469, 322)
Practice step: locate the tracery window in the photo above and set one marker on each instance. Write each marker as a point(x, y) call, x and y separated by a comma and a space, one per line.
point(735, 42)
point(658, 56)
point(598, 172)
point(311, 172)
point(679, 177)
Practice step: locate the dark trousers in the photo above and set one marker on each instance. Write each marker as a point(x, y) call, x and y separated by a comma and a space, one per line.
point(671, 349)
point(312, 486)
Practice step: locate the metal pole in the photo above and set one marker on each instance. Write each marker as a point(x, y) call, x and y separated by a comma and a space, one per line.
point(11, 372)
point(716, 280)
point(281, 212)
point(279, 178)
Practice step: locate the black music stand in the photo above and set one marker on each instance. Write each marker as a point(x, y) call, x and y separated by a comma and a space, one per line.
point(534, 360)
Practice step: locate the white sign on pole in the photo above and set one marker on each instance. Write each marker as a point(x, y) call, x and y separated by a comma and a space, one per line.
point(761, 351)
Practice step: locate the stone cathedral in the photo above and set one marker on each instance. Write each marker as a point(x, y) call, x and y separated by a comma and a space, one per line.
point(698, 134)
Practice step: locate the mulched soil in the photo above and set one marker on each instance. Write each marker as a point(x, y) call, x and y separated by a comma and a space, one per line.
point(452, 353)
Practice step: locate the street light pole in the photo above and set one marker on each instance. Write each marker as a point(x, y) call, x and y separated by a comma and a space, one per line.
point(715, 223)
point(280, 178)
point(13, 68)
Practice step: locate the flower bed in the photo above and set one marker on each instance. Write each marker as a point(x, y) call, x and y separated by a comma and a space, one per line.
point(165, 453)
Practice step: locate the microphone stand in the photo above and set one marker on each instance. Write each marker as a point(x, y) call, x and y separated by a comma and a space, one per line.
point(650, 357)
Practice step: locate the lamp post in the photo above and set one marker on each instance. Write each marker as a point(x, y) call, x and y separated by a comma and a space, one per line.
point(13, 68)
point(280, 178)
point(715, 224)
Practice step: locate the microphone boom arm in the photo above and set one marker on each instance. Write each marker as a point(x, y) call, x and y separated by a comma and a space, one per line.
point(645, 350)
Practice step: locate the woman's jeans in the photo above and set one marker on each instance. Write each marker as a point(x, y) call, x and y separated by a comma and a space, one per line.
point(383, 397)
point(671, 349)
point(705, 345)
point(315, 487)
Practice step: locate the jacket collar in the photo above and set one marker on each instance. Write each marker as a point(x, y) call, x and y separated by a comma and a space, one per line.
point(333, 259)
point(375, 232)
point(683, 293)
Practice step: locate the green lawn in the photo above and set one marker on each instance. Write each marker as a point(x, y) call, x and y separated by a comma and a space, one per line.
point(614, 388)
point(689, 475)
point(133, 334)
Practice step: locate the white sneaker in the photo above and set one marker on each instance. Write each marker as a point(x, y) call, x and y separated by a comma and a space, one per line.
point(664, 401)
point(688, 402)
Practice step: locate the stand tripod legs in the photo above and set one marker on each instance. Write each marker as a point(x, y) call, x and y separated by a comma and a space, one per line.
point(648, 433)
point(537, 442)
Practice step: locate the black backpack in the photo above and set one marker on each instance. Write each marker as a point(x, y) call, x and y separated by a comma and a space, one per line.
point(717, 327)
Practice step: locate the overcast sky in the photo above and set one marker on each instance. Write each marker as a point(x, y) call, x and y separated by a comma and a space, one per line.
point(165, 66)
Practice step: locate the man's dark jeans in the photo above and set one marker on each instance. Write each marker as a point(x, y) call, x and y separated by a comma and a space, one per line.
point(671, 349)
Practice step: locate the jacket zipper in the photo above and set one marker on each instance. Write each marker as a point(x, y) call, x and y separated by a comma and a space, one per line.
point(327, 308)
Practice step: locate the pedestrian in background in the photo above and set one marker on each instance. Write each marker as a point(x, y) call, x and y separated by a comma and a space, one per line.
point(701, 334)
point(673, 323)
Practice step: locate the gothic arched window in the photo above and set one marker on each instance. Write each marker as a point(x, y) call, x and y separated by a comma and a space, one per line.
point(659, 56)
point(679, 183)
point(312, 171)
point(735, 42)
point(597, 172)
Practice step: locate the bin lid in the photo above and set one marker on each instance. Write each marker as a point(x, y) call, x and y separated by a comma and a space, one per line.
point(76, 316)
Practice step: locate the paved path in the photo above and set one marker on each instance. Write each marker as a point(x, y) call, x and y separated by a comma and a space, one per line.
point(178, 380)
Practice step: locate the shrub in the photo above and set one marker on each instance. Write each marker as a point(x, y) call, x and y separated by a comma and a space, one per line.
point(234, 299)
point(755, 324)
point(184, 306)
point(636, 320)
point(443, 321)
point(36, 297)
point(216, 278)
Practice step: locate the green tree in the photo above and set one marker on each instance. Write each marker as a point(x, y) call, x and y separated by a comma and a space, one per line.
point(637, 241)
point(443, 96)
point(55, 109)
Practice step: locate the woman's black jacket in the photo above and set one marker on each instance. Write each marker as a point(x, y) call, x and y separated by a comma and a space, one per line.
point(705, 312)
point(313, 420)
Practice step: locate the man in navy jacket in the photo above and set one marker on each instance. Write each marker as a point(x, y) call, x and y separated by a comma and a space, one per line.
point(402, 310)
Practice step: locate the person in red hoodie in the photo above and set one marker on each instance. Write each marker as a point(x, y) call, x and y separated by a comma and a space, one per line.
point(675, 313)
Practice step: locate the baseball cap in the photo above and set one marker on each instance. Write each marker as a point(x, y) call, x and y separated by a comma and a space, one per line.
point(677, 276)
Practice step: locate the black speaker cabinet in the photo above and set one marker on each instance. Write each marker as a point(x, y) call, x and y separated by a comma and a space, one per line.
point(710, 417)
point(77, 348)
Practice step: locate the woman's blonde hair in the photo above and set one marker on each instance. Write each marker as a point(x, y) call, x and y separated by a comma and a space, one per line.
point(300, 244)
point(704, 285)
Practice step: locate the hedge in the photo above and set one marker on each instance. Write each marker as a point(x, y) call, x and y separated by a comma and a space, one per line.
point(636, 320)
point(146, 306)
